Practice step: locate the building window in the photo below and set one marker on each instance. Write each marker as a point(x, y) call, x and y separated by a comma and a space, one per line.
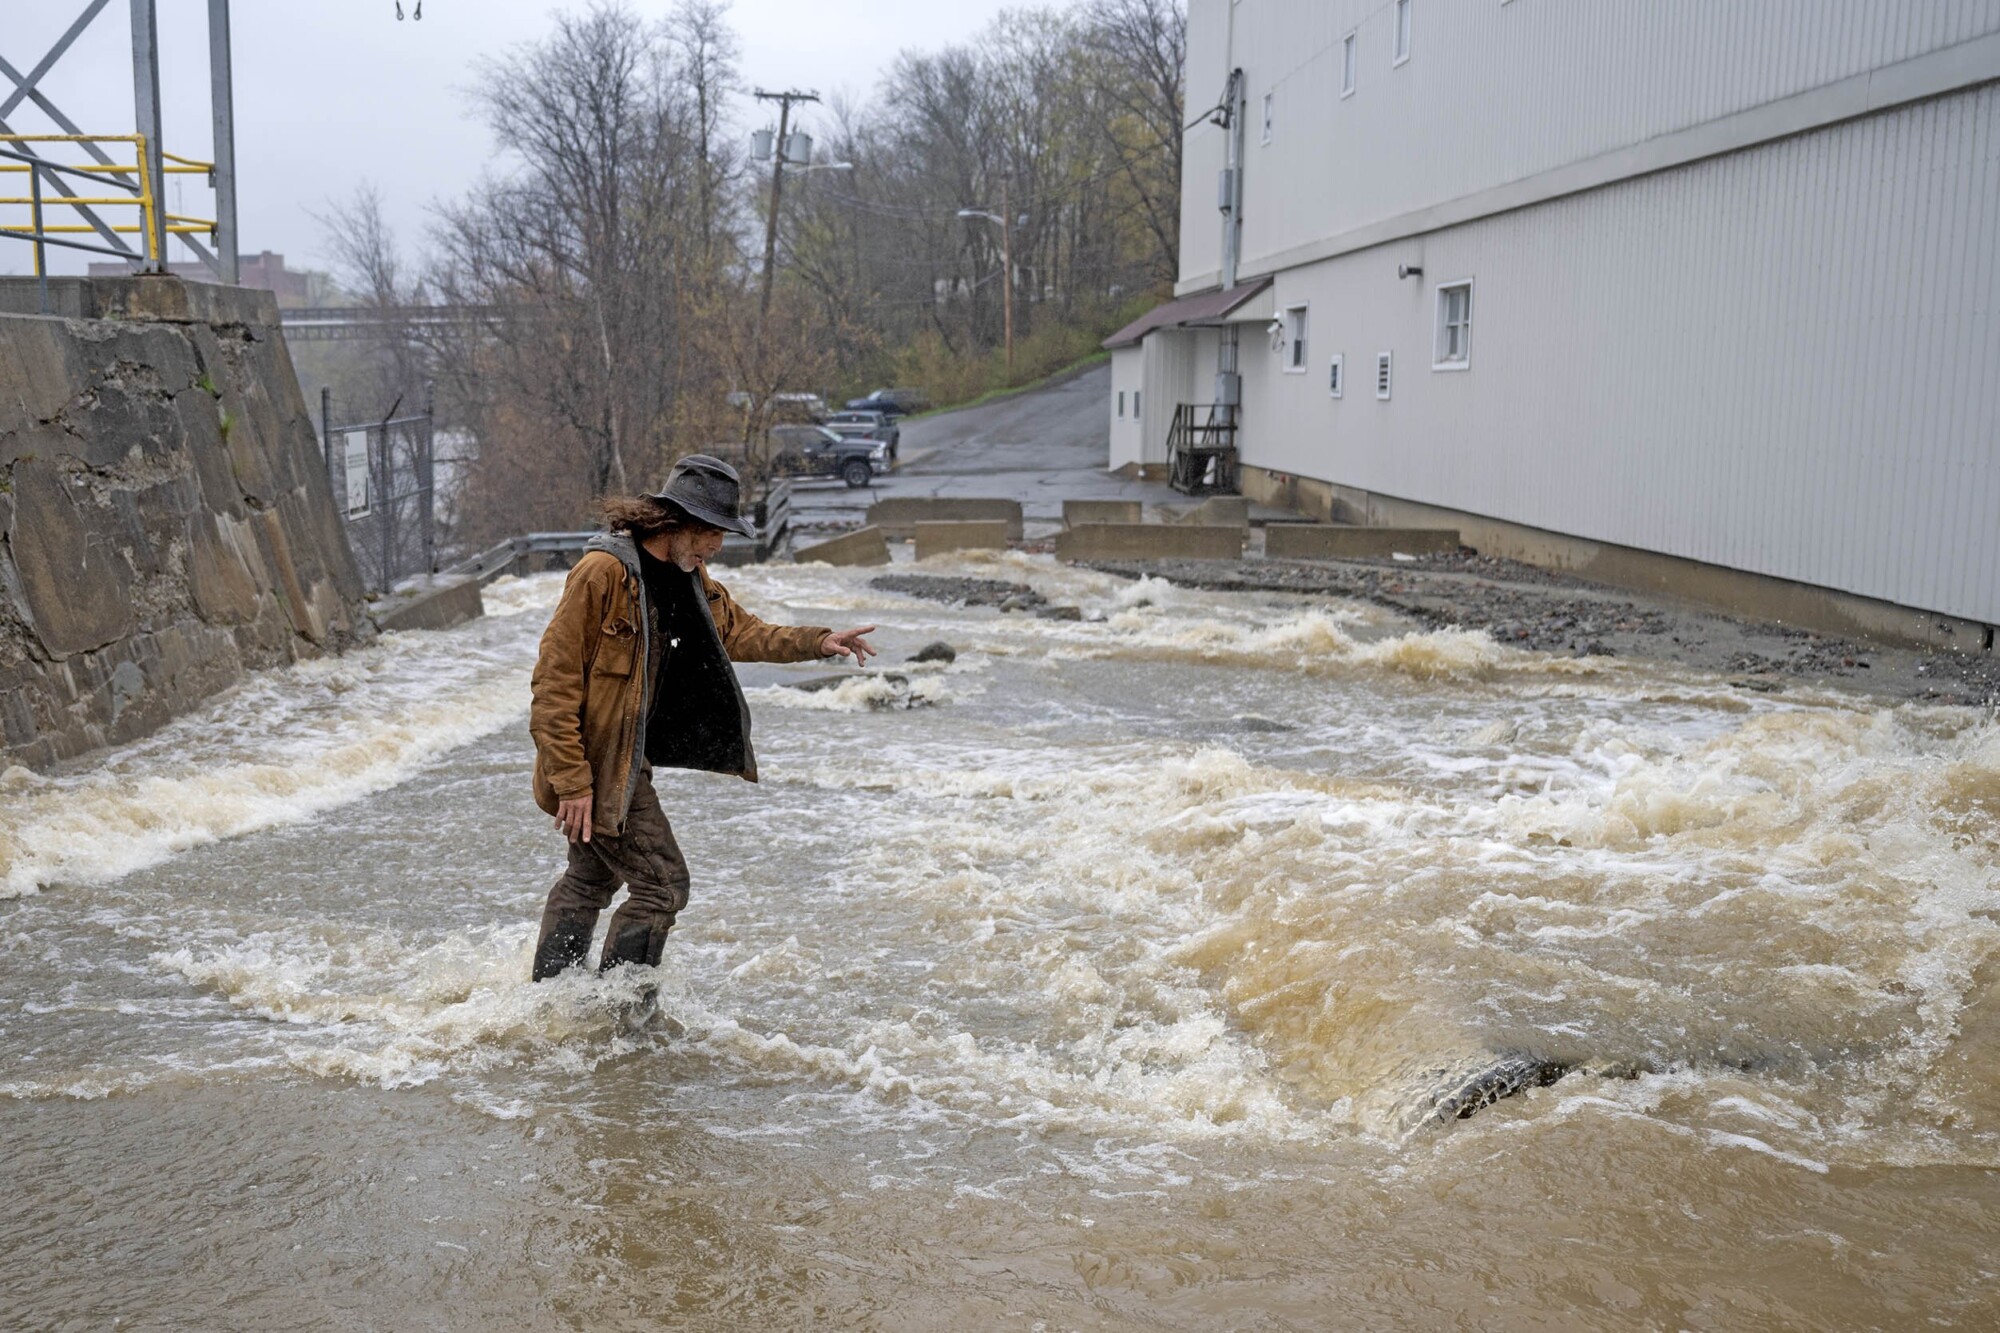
point(1135, 403)
point(1295, 340)
point(1402, 31)
point(1121, 403)
point(1347, 62)
point(1382, 376)
point(1454, 326)
point(1336, 377)
point(1267, 115)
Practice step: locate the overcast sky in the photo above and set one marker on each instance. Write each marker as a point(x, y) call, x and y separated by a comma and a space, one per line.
point(331, 93)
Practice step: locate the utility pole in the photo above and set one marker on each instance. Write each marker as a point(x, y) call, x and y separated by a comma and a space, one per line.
point(784, 101)
point(1007, 278)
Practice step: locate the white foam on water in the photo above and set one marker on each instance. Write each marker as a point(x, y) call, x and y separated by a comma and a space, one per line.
point(870, 692)
point(279, 748)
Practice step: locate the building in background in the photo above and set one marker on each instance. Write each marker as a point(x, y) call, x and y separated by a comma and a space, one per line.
point(1695, 296)
point(265, 272)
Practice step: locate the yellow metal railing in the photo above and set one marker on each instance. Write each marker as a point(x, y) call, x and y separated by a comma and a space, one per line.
point(136, 179)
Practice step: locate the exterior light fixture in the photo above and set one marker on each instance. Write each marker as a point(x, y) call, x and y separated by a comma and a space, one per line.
point(1409, 271)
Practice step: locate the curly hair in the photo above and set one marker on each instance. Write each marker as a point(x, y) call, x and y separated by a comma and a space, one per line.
point(643, 516)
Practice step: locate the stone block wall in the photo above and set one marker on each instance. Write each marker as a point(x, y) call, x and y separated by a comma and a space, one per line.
point(166, 523)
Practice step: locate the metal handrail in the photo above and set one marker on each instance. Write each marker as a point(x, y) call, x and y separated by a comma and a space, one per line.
point(143, 195)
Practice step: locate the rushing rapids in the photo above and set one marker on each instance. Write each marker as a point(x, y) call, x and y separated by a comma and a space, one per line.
point(1142, 970)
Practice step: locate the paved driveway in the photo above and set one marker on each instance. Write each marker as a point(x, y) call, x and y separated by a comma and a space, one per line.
point(1041, 448)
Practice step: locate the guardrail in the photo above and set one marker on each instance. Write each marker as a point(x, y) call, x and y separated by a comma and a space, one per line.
point(17, 157)
point(772, 520)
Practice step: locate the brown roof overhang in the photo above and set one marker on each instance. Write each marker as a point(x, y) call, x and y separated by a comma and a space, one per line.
point(1211, 307)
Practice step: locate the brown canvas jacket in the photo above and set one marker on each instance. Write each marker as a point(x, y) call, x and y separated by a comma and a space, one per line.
point(595, 674)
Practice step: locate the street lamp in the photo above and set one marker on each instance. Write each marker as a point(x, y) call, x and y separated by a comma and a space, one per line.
point(1006, 264)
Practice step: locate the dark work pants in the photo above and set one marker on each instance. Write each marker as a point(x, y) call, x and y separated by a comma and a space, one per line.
point(644, 858)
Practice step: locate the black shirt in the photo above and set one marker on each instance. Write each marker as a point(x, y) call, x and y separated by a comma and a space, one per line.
point(670, 591)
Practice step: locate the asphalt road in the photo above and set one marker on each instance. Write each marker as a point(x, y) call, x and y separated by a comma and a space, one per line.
point(1040, 447)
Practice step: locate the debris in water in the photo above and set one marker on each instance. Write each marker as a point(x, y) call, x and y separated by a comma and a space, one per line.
point(961, 591)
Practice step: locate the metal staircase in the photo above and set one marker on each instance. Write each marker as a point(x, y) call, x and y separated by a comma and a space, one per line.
point(1201, 449)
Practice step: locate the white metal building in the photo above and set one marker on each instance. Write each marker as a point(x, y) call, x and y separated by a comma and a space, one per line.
point(1699, 294)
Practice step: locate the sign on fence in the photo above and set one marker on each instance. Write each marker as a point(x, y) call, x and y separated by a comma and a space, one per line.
point(356, 447)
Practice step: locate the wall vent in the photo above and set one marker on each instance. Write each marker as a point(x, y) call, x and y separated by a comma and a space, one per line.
point(1382, 367)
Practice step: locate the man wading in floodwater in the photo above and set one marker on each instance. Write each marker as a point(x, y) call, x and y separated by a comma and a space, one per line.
point(635, 672)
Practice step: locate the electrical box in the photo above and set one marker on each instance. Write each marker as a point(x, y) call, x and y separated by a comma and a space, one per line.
point(1225, 189)
point(1228, 389)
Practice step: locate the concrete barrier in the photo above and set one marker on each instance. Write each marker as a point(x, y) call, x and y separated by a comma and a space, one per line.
point(1149, 541)
point(984, 534)
point(863, 546)
point(1316, 541)
point(1079, 512)
point(432, 608)
point(899, 515)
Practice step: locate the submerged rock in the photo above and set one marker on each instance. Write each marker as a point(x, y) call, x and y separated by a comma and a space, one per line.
point(935, 651)
point(1060, 613)
point(1463, 1096)
point(1251, 723)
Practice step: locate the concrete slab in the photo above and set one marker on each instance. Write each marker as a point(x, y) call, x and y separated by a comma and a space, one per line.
point(899, 515)
point(431, 608)
point(1324, 541)
point(1150, 541)
point(1217, 511)
point(867, 546)
point(961, 535)
point(1078, 512)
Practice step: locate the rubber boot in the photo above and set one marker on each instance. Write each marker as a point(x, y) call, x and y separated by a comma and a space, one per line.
point(565, 943)
point(635, 942)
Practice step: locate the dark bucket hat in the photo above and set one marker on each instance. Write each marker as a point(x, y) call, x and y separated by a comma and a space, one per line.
point(708, 490)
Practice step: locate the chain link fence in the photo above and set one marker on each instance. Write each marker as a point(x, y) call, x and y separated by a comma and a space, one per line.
point(384, 477)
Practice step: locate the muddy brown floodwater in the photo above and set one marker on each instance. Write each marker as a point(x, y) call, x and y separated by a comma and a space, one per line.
point(1110, 976)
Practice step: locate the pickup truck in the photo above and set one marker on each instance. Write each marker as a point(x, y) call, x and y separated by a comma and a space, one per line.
point(816, 451)
point(867, 426)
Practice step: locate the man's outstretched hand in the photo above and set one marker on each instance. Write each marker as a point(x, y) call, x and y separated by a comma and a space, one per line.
point(849, 643)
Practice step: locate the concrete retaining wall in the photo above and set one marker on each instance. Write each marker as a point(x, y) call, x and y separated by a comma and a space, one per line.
point(899, 515)
point(1079, 512)
point(1311, 541)
point(865, 546)
point(964, 535)
point(1149, 541)
point(165, 519)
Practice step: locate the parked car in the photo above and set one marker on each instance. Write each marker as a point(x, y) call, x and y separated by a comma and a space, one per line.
point(817, 451)
point(785, 406)
point(868, 425)
point(892, 403)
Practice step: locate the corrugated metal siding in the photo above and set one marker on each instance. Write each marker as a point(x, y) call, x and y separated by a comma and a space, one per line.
point(1499, 92)
point(1784, 361)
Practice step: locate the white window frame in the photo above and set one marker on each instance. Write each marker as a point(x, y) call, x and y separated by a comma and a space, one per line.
point(1350, 60)
point(1336, 376)
point(1270, 114)
point(1385, 374)
point(1405, 24)
point(1438, 359)
point(1298, 337)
